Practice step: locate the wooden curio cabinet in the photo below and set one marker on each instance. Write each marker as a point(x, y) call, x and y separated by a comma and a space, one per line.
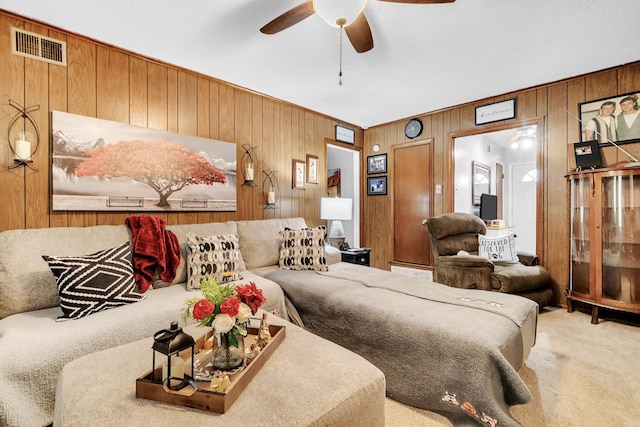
point(604, 222)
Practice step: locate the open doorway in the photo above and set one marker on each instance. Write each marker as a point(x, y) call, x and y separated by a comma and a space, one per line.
point(348, 163)
point(511, 154)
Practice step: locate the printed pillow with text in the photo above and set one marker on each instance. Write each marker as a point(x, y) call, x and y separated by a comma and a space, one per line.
point(498, 249)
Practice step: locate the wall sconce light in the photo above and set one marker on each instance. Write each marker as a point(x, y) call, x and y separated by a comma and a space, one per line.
point(22, 143)
point(270, 189)
point(176, 371)
point(248, 165)
point(336, 209)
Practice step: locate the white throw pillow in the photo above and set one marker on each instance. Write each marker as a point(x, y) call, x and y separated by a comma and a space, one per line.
point(498, 249)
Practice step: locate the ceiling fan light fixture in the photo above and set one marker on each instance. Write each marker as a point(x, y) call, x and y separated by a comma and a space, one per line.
point(339, 13)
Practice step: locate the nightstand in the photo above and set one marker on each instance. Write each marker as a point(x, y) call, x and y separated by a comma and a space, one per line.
point(358, 256)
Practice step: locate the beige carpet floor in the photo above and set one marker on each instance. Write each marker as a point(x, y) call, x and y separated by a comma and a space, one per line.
point(579, 375)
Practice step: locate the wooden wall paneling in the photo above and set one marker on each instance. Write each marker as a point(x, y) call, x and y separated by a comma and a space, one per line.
point(526, 105)
point(628, 78)
point(82, 74)
point(263, 141)
point(187, 122)
point(288, 125)
point(36, 90)
point(113, 95)
point(58, 101)
point(157, 96)
point(82, 100)
point(138, 92)
point(555, 250)
point(12, 208)
point(243, 135)
point(575, 95)
point(172, 120)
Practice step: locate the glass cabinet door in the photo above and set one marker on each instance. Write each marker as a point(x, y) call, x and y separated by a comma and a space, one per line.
point(620, 232)
point(580, 243)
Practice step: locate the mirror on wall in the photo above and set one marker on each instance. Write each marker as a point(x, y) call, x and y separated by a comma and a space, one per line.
point(481, 176)
point(503, 163)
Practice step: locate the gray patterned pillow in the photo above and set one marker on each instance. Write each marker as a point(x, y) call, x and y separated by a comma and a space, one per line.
point(96, 282)
point(303, 249)
point(215, 256)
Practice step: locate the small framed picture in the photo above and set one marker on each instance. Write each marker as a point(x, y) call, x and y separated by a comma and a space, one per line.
point(376, 185)
point(345, 134)
point(377, 164)
point(312, 169)
point(298, 173)
point(496, 112)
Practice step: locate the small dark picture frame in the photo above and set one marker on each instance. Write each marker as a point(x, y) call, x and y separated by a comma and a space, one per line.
point(587, 154)
point(377, 164)
point(376, 186)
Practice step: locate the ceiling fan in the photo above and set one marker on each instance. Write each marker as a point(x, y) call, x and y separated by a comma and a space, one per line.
point(347, 14)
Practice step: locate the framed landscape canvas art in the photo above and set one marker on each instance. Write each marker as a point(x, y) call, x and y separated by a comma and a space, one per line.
point(101, 165)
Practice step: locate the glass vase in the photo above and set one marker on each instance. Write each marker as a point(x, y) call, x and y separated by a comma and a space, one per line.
point(227, 356)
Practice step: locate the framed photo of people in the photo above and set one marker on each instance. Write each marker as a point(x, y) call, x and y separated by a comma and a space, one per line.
point(615, 119)
point(377, 164)
point(376, 186)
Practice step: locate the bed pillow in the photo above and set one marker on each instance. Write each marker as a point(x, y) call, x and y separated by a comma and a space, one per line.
point(498, 249)
point(215, 256)
point(303, 249)
point(96, 282)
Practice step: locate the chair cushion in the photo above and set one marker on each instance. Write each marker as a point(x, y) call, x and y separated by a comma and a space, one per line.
point(455, 223)
point(516, 278)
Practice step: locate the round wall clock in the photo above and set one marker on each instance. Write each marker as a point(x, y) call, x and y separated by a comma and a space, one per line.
point(413, 128)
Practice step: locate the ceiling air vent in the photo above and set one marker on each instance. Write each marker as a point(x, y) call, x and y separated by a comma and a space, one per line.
point(35, 46)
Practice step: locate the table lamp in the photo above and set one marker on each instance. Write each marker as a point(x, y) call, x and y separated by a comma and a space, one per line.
point(336, 209)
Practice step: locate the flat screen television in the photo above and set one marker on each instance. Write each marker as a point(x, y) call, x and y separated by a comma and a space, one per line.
point(488, 207)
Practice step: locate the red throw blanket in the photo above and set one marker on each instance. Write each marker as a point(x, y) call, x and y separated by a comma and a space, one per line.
point(153, 246)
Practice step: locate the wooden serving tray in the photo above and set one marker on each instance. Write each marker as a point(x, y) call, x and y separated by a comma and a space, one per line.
point(204, 398)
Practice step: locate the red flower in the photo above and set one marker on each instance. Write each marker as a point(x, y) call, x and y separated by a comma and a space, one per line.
point(230, 306)
point(202, 309)
point(251, 295)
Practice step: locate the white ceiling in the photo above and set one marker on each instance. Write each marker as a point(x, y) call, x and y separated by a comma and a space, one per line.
point(426, 57)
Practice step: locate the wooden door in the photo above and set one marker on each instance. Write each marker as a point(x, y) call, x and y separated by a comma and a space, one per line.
point(412, 186)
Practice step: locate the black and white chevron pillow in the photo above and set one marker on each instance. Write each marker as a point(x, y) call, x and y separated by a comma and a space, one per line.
point(96, 282)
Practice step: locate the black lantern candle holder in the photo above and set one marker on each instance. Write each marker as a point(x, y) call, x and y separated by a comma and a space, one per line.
point(249, 165)
point(270, 189)
point(170, 342)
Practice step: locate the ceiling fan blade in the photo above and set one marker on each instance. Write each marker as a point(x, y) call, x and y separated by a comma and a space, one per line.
point(289, 18)
point(419, 1)
point(359, 34)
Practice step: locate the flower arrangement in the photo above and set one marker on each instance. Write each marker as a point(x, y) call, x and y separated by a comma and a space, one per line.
point(227, 308)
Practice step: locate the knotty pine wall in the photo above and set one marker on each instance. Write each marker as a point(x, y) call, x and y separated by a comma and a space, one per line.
point(548, 103)
point(109, 83)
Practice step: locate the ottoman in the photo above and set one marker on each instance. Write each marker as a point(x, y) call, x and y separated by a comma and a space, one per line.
point(308, 381)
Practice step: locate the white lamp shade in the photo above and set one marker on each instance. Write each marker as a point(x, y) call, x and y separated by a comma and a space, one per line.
point(332, 10)
point(335, 208)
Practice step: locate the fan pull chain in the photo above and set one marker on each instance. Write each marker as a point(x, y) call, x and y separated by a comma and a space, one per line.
point(340, 73)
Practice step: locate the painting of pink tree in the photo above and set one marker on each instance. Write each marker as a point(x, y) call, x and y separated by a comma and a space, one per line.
point(164, 166)
point(102, 165)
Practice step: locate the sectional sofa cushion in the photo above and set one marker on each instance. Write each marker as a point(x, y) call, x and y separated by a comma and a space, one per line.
point(215, 256)
point(303, 249)
point(26, 282)
point(95, 282)
point(260, 240)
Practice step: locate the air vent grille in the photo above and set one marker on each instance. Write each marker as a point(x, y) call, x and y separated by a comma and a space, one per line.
point(35, 46)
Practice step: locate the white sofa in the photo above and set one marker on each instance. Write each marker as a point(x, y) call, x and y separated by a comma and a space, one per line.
point(34, 347)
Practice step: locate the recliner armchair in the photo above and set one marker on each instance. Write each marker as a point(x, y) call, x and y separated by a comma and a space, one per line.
point(454, 232)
